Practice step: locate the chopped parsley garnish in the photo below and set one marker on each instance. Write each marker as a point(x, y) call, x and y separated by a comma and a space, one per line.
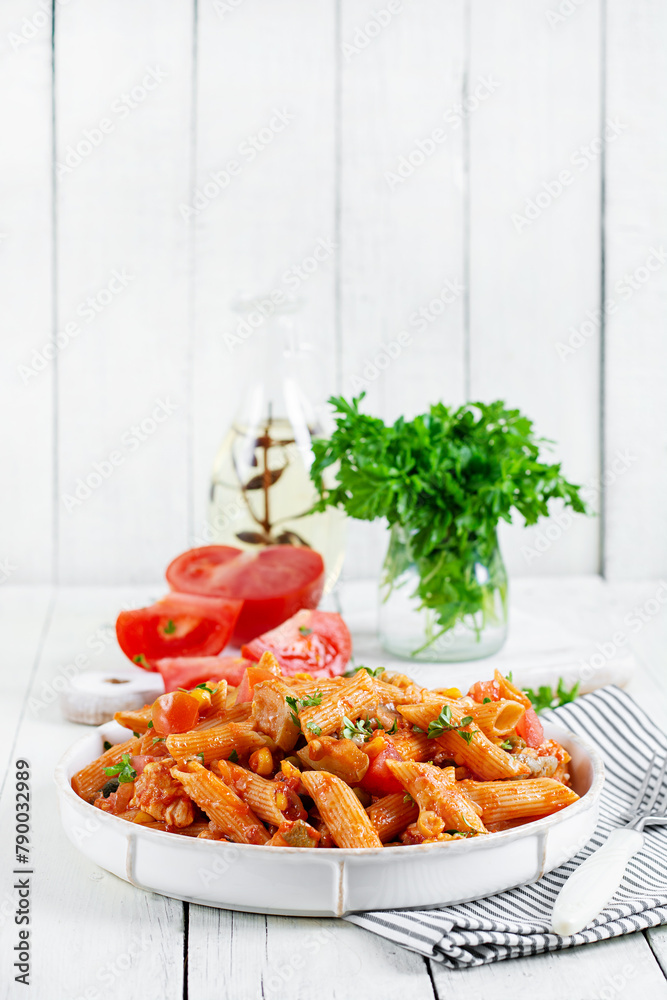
point(170, 627)
point(369, 670)
point(444, 724)
point(150, 725)
point(546, 697)
point(123, 770)
point(486, 701)
point(136, 735)
point(303, 630)
point(296, 704)
point(407, 798)
point(157, 739)
point(507, 745)
point(205, 687)
point(107, 745)
point(234, 757)
point(508, 676)
point(317, 730)
point(358, 728)
point(200, 755)
point(141, 660)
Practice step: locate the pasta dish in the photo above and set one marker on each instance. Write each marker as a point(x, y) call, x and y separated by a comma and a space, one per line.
point(361, 761)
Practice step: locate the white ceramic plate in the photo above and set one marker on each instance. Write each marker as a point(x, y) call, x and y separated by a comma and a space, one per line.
point(327, 882)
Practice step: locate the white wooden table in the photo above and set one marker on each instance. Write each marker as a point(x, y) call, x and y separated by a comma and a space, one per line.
point(96, 937)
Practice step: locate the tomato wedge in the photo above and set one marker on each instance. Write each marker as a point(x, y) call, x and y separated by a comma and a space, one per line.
point(315, 642)
point(176, 712)
point(253, 675)
point(378, 779)
point(189, 671)
point(274, 582)
point(485, 689)
point(178, 625)
point(530, 729)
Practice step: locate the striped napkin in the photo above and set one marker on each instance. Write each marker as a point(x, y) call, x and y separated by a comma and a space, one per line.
point(516, 923)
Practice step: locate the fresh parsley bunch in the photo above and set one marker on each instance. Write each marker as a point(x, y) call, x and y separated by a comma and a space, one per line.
point(445, 479)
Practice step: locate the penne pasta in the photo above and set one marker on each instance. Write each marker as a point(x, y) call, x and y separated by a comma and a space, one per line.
point(90, 779)
point(478, 754)
point(222, 741)
point(341, 810)
point(348, 702)
point(137, 721)
point(253, 768)
point(260, 794)
point(223, 806)
point(435, 790)
point(390, 815)
point(500, 801)
point(510, 691)
point(497, 718)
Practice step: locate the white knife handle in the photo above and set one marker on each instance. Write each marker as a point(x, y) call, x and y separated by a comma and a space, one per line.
point(591, 886)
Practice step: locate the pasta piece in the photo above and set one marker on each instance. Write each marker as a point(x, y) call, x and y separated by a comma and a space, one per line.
point(507, 800)
point(136, 721)
point(497, 718)
point(351, 702)
point(480, 755)
point(219, 698)
point(215, 743)
point(340, 757)
point(273, 714)
point(390, 815)
point(261, 794)
point(510, 691)
point(90, 779)
point(435, 790)
point(341, 810)
point(414, 746)
point(392, 694)
point(222, 805)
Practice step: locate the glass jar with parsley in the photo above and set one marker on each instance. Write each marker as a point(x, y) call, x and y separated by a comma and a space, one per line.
point(442, 481)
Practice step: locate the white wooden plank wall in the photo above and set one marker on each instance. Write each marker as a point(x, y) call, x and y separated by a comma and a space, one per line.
point(203, 150)
point(636, 290)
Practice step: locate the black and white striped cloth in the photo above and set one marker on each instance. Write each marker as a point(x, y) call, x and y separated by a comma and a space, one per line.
point(516, 923)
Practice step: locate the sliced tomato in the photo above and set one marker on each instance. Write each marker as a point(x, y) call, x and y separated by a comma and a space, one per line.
point(485, 689)
point(176, 712)
point(178, 625)
point(530, 729)
point(274, 582)
point(189, 671)
point(254, 674)
point(378, 779)
point(314, 642)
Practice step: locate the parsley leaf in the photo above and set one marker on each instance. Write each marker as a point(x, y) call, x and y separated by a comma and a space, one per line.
point(150, 725)
point(305, 631)
point(123, 770)
point(546, 697)
point(141, 660)
point(157, 739)
point(443, 480)
point(170, 627)
point(296, 704)
point(234, 757)
point(358, 728)
point(317, 730)
point(204, 687)
point(200, 755)
point(107, 745)
point(507, 745)
point(485, 701)
point(444, 724)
